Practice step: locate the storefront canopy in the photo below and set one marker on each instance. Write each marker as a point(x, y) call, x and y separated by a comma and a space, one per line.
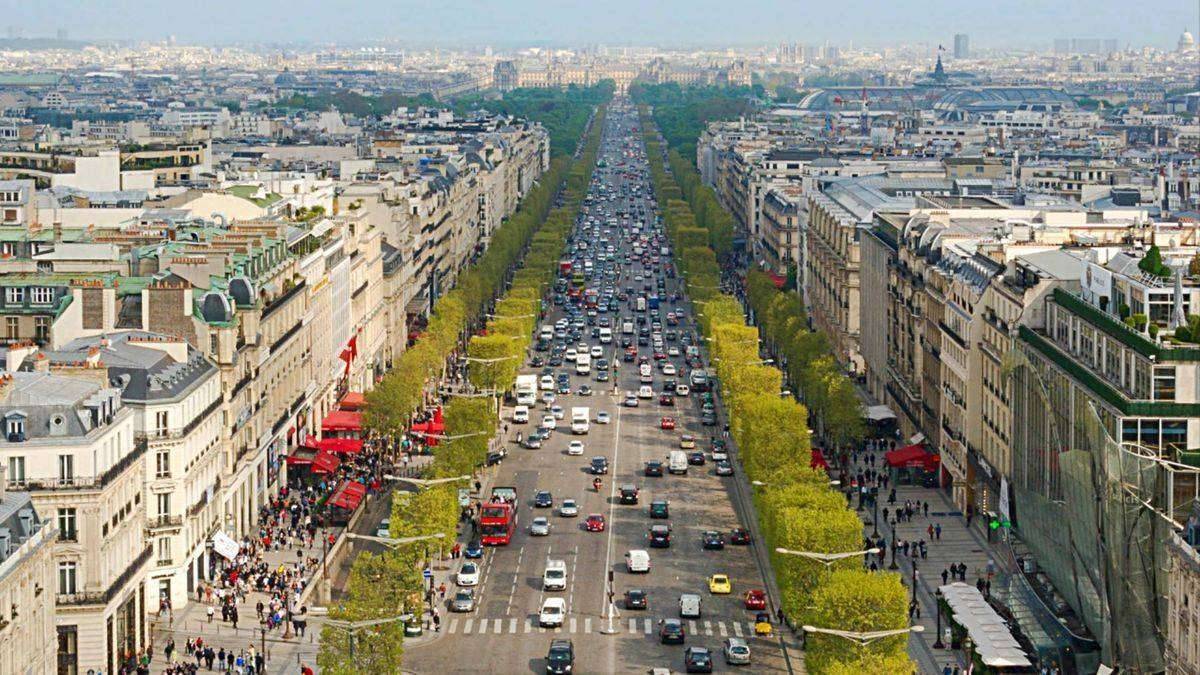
point(318, 461)
point(348, 495)
point(880, 413)
point(994, 642)
point(912, 456)
point(818, 459)
point(353, 400)
point(343, 446)
point(342, 420)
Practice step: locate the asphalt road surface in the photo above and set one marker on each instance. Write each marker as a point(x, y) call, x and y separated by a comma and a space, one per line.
point(502, 634)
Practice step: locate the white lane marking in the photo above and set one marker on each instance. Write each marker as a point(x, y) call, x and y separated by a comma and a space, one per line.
point(467, 626)
point(633, 625)
point(721, 627)
point(496, 627)
point(708, 628)
point(512, 625)
point(572, 624)
point(453, 626)
point(648, 626)
point(692, 628)
point(587, 624)
point(529, 626)
point(737, 628)
point(482, 627)
point(612, 505)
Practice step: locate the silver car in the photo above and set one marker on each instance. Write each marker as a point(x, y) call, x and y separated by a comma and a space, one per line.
point(540, 527)
point(464, 601)
point(737, 652)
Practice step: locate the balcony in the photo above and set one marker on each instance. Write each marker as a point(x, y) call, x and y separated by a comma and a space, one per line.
point(176, 434)
point(164, 522)
point(85, 482)
point(281, 299)
point(86, 598)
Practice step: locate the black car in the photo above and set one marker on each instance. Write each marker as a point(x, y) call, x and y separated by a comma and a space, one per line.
point(724, 468)
point(474, 549)
point(494, 458)
point(660, 536)
point(670, 632)
point(635, 598)
point(660, 509)
point(696, 458)
point(708, 419)
point(739, 536)
point(561, 657)
point(654, 468)
point(602, 376)
point(599, 465)
point(713, 540)
point(543, 499)
point(629, 494)
point(697, 660)
point(537, 362)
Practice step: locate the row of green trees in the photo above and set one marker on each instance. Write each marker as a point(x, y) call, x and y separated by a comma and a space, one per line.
point(390, 584)
point(681, 112)
point(563, 112)
point(796, 507)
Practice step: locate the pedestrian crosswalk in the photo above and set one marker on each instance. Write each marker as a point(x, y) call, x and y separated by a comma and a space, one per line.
point(585, 625)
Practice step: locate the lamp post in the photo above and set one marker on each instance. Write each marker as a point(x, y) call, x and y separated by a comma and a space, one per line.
point(893, 566)
point(875, 512)
point(864, 638)
point(937, 596)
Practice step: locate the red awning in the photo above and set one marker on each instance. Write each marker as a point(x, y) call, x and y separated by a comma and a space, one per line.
point(342, 420)
point(910, 455)
point(317, 461)
point(309, 441)
point(437, 415)
point(301, 456)
point(348, 495)
point(353, 400)
point(344, 446)
point(818, 459)
point(777, 279)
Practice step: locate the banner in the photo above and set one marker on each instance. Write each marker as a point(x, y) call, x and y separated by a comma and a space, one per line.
point(225, 545)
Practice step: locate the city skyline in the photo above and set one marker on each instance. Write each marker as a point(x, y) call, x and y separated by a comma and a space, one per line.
point(672, 23)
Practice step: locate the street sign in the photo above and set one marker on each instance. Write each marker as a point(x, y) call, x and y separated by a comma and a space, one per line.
point(427, 573)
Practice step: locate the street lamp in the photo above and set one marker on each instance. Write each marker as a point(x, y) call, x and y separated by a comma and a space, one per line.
point(472, 359)
point(514, 316)
point(760, 362)
point(864, 638)
point(393, 543)
point(827, 559)
point(425, 482)
point(352, 627)
point(937, 597)
point(444, 437)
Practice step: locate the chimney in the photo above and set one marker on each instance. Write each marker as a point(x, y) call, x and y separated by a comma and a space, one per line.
point(3, 481)
point(58, 231)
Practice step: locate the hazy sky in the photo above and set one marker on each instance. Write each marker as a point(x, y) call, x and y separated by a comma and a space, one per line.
point(675, 22)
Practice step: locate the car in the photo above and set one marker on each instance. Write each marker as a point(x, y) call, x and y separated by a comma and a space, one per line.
point(667, 400)
point(631, 402)
point(549, 422)
point(672, 350)
point(585, 390)
point(682, 390)
point(548, 398)
point(645, 391)
point(540, 527)
point(569, 508)
point(668, 368)
point(602, 417)
point(670, 632)
point(464, 601)
point(635, 598)
point(575, 448)
point(474, 549)
point(719, 584)
point(660, 508)
point(564, 387)
point(602, 376)
point(659, 536)
point(697, 660)
point(737, 652)
point(520, 414)
point(720, 453)
point(594, 523)
point(599, 465)
point(537, 361)
point(468, 574)
point(654, 468)
point(739, 536)
point(667, 423)
point(696, 458)
point(708, 419)
point(531, 442)
point(712, 540)
point(756, 599)
point(724, 468)
point(385, 528)
point(687, 442)
point(554, 577)
point(561, 657)
point(543, 499)
point(552, 613)
point(628, 494)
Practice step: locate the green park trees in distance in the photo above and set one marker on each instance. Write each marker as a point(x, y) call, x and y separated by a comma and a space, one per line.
point(563, 112)
point(682, 112)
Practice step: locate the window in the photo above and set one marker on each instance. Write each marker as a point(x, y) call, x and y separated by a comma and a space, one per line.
point(12, 328)
point(162, 464)
point(163, 502)
point(66, 525)
point(41, 295)
point(14, 296)
point(68, 582)
point(41, 328)
point(164, 549)
point(161, 423)
point(14, 427)
point(68, 650)
point(1164, 383)
point(16, 470)
point(66, 468)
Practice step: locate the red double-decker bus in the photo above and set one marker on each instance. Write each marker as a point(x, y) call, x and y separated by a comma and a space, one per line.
point(497, 522)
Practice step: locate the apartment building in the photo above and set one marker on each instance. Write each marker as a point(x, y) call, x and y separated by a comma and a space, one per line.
point(72, 444)
point(106, 168)
point(16, 204)
point(1074, 180)
point(29, 640)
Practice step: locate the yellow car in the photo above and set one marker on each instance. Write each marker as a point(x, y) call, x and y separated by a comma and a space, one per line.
point(687, 443)
point(720, 584)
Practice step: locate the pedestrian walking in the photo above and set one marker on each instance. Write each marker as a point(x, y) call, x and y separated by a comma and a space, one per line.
point(937, 531)
point(945, 576)
point(926, 509)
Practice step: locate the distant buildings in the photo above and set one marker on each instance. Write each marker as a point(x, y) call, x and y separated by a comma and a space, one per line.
point(962, 46)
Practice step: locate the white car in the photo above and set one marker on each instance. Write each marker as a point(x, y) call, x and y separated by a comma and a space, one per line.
point(548, 398)
point(568, 509)
point(540, 527)
point(553, 611)
point(668, 369)
point(603, 417)
point(672, 351)
point(558, 412)
point(597, 352)
point(520, 414)
point(719, 455)
point(548, 422)
point(575, 448)
point(546, 382)
point(682, 390)
point(571, 355)
point(468, 574)
point(645, 391)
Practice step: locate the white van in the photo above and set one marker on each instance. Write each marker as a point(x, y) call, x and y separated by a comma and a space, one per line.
point(547, 383)
point(583, 364)
point(580, 420)
point(521, 414)
point(677, 462)
point(555, 576)
point(547, 332)
point(605, 336)
point(689, 606)
point(637, 560)
point(627, 327)
point(553, 610)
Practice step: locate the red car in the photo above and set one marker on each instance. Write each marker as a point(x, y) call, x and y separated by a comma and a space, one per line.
point(756, 599)
point(666, 399)
point(667, 423)
point(659, 356)
point(739, 536)
point(594, 523)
